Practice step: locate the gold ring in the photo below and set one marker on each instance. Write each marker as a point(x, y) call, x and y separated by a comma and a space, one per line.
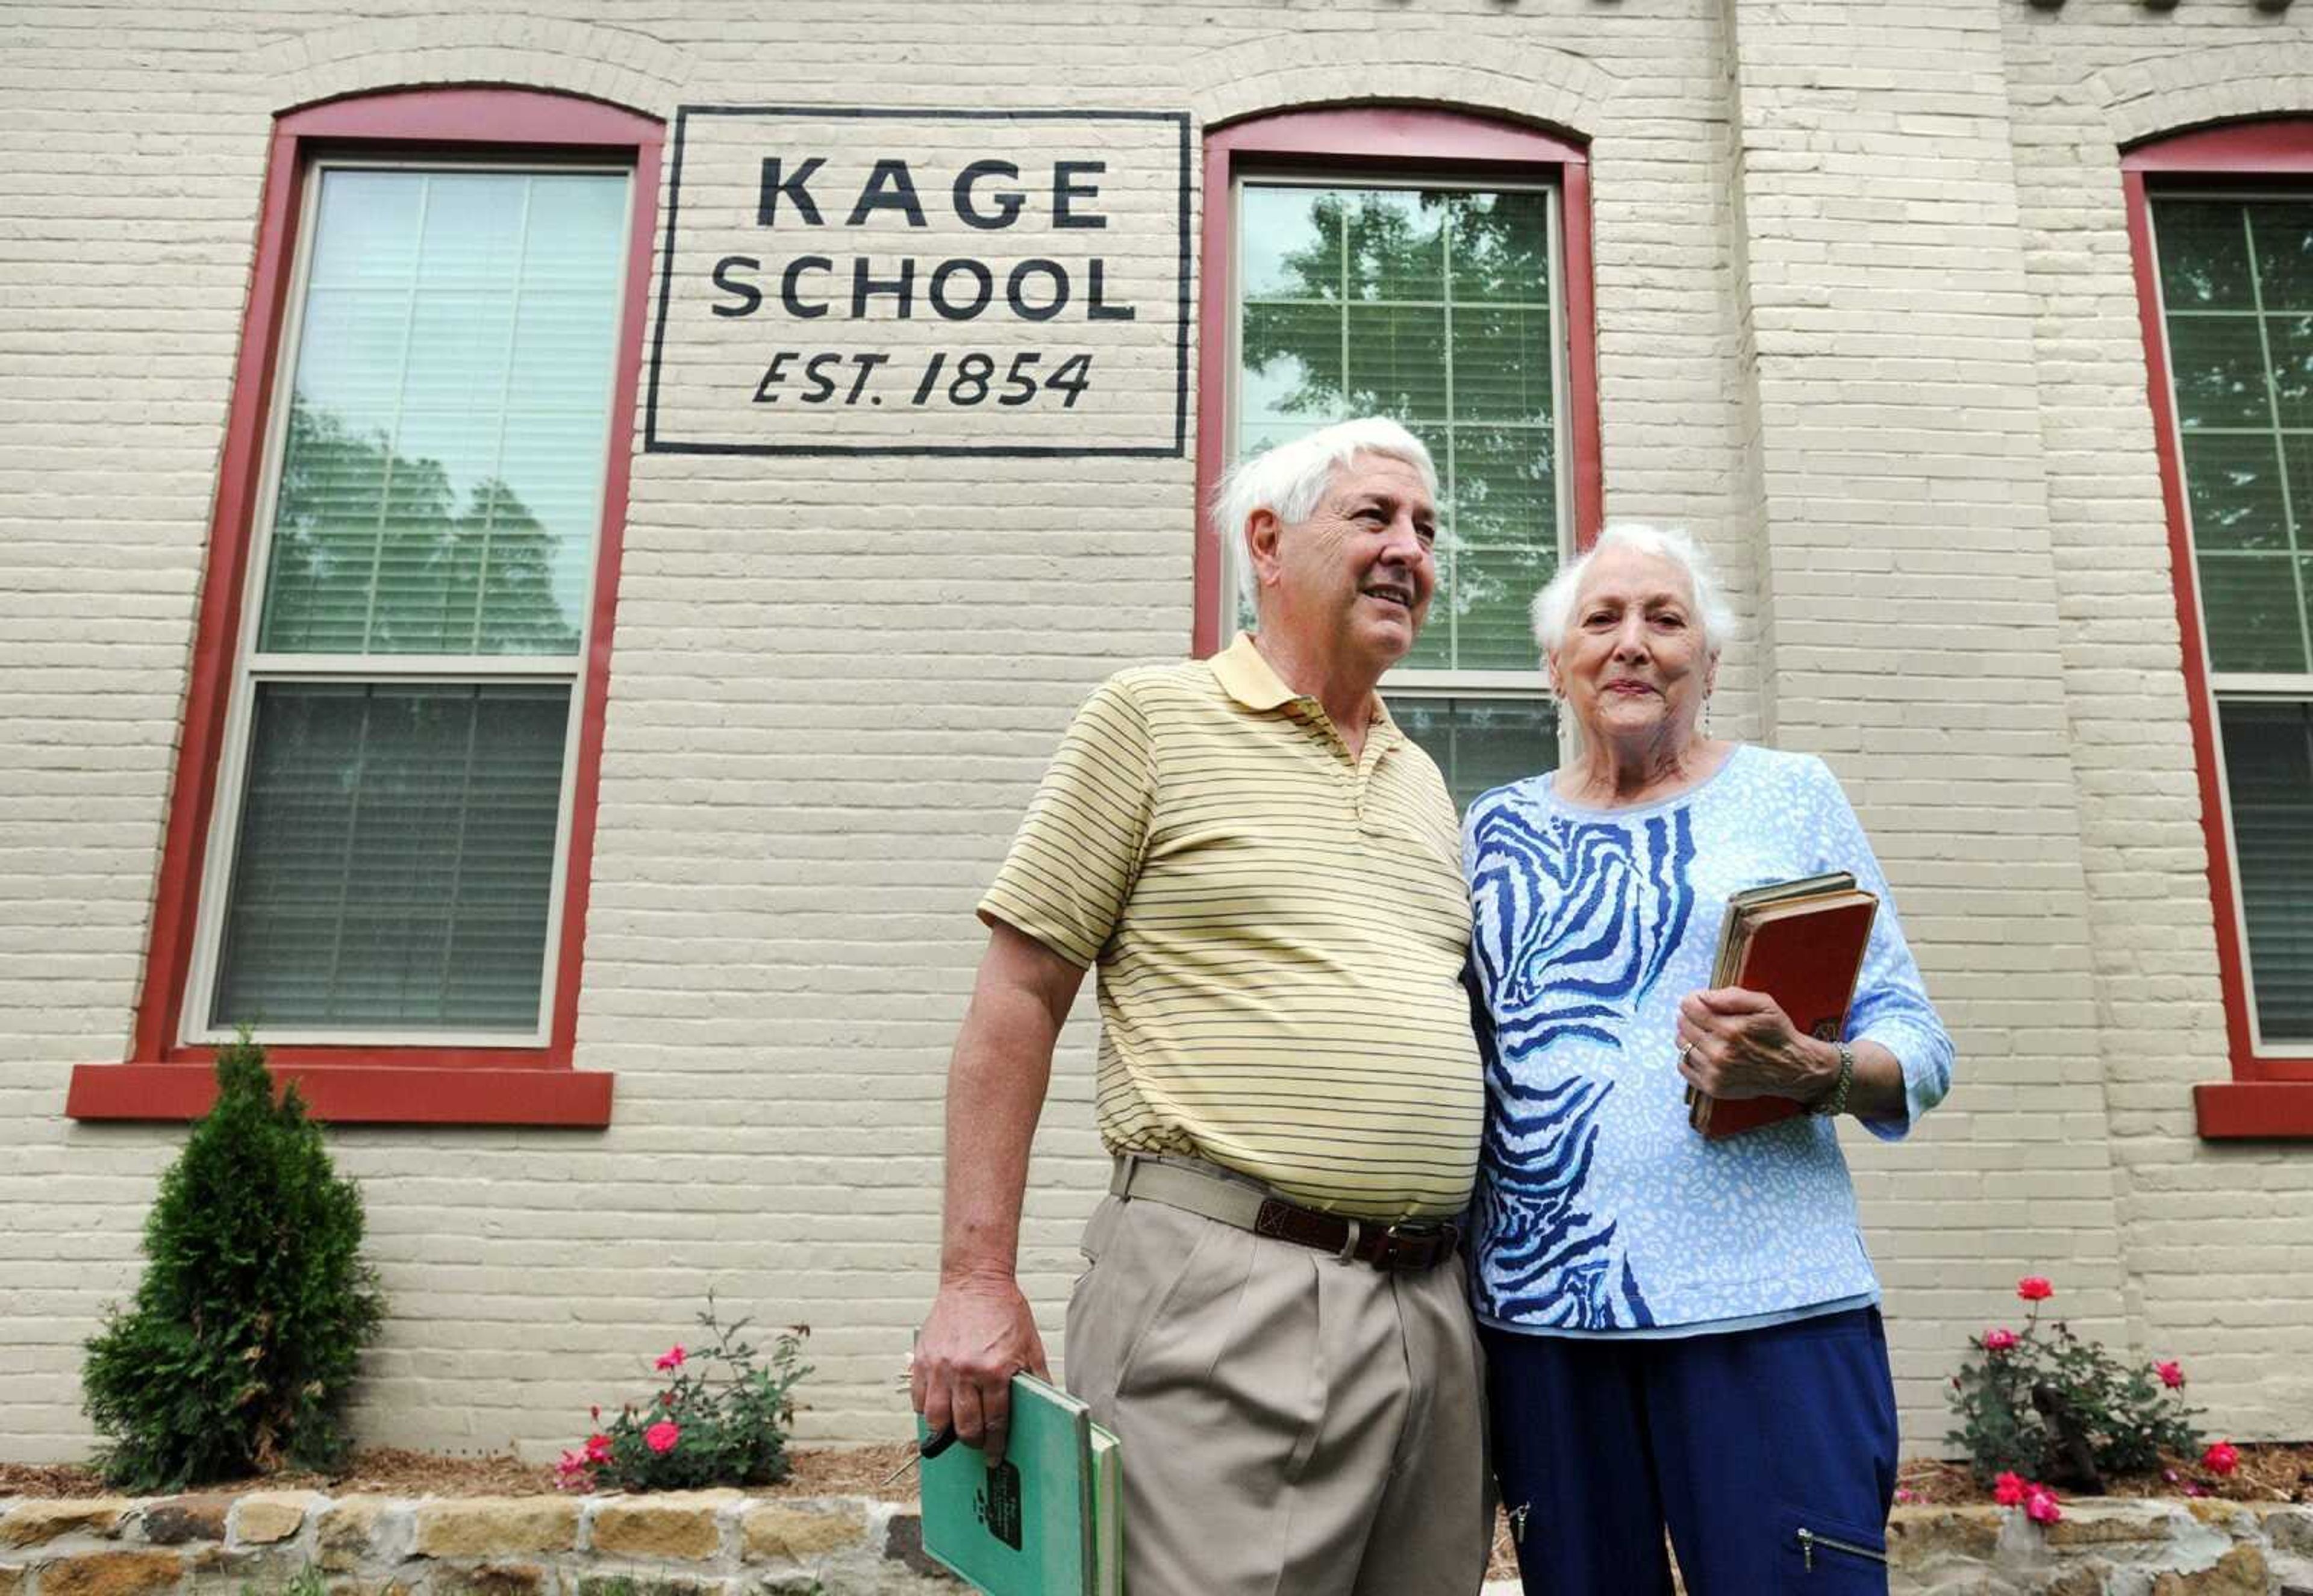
point(1682, 1052)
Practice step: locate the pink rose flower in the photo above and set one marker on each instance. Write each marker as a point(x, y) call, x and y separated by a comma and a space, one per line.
point(2172, 1375)
point(2041, 1506)
point(1999, 1341)
point(2221, 1458)
point(598, 1449)
point(2034, 1288)
point(1904, 1494)
point(2009, 1489)
point(661, 1436)
point(672, 1359)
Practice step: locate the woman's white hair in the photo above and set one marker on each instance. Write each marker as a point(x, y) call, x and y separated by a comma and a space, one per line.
point(1289, 479)
point(1554, 605)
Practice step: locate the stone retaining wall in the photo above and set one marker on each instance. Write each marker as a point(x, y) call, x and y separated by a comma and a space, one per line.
point(702, 1543)
point(726, 1543)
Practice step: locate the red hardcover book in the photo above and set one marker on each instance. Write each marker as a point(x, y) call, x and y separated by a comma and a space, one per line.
point(1801, 943)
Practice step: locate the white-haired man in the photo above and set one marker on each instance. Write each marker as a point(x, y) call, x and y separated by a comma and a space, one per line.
point(1267, 872)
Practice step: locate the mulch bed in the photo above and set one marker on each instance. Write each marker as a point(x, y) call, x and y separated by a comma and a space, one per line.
point(392, 1471)
point(2268, 1471)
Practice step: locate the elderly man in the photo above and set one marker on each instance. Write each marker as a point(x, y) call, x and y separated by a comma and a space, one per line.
point(1265, 870)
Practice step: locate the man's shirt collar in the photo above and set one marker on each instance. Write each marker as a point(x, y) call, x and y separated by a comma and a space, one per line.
point(1247, 677)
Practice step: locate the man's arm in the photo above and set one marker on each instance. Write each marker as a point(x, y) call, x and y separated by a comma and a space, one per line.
point(981, 1331)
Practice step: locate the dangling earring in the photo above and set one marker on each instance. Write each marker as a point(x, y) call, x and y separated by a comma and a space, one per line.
point(1706, 715)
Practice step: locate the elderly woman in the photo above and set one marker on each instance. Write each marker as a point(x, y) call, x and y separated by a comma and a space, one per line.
point(1679, 1332)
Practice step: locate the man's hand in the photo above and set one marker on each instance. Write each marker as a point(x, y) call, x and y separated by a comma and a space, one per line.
point(979, 1336)
point(1734, 1043)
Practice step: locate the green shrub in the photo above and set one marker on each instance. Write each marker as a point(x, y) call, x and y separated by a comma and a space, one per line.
point(702, 1429)
point(254, 1307)
point(2123, 1418)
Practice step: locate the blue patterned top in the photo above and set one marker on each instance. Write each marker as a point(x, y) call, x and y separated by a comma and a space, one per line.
point(1597, 1207)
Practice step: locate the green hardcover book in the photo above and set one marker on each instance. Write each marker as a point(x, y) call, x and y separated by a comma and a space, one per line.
point(1045, 1521)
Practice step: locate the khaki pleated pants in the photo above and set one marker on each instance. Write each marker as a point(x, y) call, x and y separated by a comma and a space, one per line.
point(1292, 1425)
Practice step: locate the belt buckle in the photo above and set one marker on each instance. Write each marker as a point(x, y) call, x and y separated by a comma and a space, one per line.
point(1398, 1248)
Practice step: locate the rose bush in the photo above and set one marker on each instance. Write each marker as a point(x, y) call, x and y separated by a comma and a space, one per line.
point(706, 1428)
point(2018, 1390)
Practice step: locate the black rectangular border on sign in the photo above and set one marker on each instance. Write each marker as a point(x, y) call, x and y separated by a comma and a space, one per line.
point(654, 444)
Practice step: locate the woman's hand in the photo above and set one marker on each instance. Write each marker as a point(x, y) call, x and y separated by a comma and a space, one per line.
point(1734, 1043)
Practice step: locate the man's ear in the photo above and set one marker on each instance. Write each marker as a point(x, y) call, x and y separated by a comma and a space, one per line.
point(1261, 532)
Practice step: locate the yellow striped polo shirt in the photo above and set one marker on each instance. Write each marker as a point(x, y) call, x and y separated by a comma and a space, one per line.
point(1279, 931)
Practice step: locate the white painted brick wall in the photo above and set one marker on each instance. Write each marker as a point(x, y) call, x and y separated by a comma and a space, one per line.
point(1905, 392)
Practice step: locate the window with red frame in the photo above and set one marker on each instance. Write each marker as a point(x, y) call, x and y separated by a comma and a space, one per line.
point(2224, 230)
point(1421, 266)
point(385, 803)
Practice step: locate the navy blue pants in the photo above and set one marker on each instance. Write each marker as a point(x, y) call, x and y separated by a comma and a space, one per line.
point(1770, 1454)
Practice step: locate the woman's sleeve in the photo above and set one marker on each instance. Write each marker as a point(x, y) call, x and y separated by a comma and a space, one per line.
point(1891, 1004)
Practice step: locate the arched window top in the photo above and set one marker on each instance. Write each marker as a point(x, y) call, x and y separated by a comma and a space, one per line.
point(493, 115)
point(2265, 145)
point(1395, 136)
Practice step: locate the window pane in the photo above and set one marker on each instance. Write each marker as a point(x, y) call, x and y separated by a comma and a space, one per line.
point(1505, 487)
point(1447, 326)
point(442, 478)
point(1292, 364)
point(1290, 243)
point(2269, 779)
point(1396, 246)
point(1397, 362)
point(2291, 339)
point(1500, 247)
point(2255, 620)
point(2218, 364)
point(2203, 255)
point(1501, 367)
point(2281, 232)
point(395, 857)
point(2232, 483)
point(1480, 744)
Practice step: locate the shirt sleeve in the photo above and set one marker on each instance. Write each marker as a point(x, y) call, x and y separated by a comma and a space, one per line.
point(1074, 863)
point(1891, 1004)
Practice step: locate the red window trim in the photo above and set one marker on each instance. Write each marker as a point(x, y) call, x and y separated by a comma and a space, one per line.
point(1392, 139)
point(2268, 1096)
point(163, 1079)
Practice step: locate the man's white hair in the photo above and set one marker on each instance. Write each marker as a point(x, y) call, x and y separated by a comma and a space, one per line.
point(1554, 605)
point(1289, 479)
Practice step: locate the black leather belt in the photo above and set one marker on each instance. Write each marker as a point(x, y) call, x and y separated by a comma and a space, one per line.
point(1208, 1190)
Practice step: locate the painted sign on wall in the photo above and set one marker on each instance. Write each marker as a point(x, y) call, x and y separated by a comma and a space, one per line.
point(922, 282)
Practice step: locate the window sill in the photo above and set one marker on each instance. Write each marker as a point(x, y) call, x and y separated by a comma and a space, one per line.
point(2254, 1111)
point(357, 1093)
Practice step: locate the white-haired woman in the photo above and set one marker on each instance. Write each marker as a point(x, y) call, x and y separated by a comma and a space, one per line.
point(1680, 1333)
